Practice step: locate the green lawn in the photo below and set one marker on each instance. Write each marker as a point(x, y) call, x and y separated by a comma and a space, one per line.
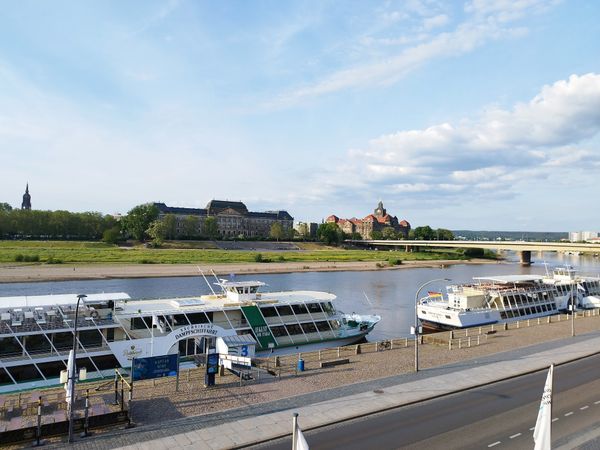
point(93, 252)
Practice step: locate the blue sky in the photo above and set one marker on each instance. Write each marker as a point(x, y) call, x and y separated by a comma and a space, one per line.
point(481, 114)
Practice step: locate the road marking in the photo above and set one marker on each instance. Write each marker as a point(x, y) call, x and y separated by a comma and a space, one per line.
point(597, 403)
point(584, 407)
point(494, 444)
point(515, 435)
point(555, 419)
point(569, 414)
point(532, 428)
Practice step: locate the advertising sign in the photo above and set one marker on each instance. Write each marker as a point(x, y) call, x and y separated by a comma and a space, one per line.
point(155, 367)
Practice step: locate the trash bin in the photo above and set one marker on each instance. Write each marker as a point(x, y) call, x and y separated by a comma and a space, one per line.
point(300, 365)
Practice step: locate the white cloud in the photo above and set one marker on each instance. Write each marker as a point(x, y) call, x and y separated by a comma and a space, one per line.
point(547, 137)
point(486, 21)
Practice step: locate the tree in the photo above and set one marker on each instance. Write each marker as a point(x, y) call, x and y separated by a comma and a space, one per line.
point(190, 227)
point(139, 219)
point(330, 233)
point(157, 231)
point(5, 207)
point(170, 223)
point(444, 235)
point(276, 231)
point(377, 235)
point(389, 233)
point(112, 235)
point(211, 228)
point(424, 233)
point(303, 231)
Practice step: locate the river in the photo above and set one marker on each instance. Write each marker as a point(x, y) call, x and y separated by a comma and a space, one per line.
point(389, 293)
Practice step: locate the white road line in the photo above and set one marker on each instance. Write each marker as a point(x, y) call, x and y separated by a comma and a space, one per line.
point(569, 414)
point(555, 419)
point(515, 435)
point(597, 403)
point(532, 428)
point(584, 407)
point(494, 444)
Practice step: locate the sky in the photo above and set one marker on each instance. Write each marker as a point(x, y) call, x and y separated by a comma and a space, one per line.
point(476, 114)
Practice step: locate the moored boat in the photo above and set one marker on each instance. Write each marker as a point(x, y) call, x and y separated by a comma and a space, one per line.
point(487, 301)
point(36, 332)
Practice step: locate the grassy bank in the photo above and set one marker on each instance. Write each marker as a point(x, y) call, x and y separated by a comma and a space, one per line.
point(62, 252)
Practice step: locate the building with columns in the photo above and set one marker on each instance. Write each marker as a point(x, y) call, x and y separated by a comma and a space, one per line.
point(233, 219)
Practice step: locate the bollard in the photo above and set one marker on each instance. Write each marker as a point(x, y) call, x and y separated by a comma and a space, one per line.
point(459, 343)
point(86, 421)
point(528, 322)
point(505, 326)
point(477, 340)
point(449, 344)
point(122, 396)
point(338, 352)
point(130, 423)
point(357, 350)
point(405, 342)
point(38, 430)
point(319, 355)
point(391, 344)
point(277, 362)
point(116, 387)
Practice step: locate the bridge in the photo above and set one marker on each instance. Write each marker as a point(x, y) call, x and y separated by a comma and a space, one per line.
point(524, 248)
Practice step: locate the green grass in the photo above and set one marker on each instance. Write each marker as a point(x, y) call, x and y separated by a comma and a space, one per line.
point(61, 252)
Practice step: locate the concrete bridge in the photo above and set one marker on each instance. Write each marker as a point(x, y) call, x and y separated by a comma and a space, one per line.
point(524, 248)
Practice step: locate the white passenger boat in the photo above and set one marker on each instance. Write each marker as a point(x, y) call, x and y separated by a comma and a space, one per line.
point(489, 300)
point(36, 332)
point(585, 290)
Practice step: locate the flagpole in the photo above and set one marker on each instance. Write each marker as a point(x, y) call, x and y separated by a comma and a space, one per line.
point(294, 428)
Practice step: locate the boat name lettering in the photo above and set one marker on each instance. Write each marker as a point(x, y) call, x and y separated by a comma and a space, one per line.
point(196, 329)
point(262, 331)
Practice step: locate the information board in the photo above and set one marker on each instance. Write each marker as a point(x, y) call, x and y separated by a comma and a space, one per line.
point(155, 367)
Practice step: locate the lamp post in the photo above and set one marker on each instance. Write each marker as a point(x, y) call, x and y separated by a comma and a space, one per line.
point(73, 374)
point(417, 318)
point(573, 288)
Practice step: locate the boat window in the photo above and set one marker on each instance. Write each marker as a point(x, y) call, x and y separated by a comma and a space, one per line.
point(309, 328)
point(37, 343)
point(294, 329)
point(179, 319)
point(503, 314)
point(253, 289)
point(313, 307)
point(335, 324)
point(323, 326)
point(90, 338)
point(268, 311)
point(25, 373)
point(10, 347)
point(299, 309)
point(284, 310)
point(200, 317)
point(142, 323)
point(327, 307)
point(110, 334)
point(62, 341)
point(278, 331)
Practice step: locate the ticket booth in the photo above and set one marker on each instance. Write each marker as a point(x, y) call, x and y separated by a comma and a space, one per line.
point(237, 345)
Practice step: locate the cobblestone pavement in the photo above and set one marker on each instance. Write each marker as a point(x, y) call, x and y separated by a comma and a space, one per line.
point(255, 422)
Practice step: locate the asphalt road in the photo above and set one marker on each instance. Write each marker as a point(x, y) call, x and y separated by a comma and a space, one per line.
point(498, 416)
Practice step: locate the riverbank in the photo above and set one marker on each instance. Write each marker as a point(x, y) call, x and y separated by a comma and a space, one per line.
point(24, 273)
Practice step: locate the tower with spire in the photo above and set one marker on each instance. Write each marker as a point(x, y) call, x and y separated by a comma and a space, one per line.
point(26, 199)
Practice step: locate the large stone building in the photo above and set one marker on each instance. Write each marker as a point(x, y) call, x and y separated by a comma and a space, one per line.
point(377, 221)
point(233, 220)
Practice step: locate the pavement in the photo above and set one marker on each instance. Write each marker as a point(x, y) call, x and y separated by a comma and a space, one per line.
point(258, 423)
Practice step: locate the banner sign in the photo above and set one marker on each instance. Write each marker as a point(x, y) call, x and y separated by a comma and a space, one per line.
point(155, 367)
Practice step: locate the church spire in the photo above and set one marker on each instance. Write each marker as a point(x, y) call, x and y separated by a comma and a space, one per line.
point(26, 198)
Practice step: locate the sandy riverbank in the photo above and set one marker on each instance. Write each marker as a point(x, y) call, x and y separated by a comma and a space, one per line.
point(13, 273)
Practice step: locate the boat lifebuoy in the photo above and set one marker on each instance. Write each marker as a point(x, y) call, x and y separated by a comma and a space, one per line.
point(94, 314)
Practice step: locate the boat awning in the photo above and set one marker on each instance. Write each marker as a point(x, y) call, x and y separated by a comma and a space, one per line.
point(510, 278)
point(237, 340)
point(59, 299)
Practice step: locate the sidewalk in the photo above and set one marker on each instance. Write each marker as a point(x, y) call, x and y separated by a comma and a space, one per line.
point(256, 423)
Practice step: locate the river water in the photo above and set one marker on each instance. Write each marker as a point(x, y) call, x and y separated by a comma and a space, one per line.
point(389, 293)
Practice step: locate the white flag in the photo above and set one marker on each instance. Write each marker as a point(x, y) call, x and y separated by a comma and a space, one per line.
point(71, 375)
point(543, 425)
point(301, 443)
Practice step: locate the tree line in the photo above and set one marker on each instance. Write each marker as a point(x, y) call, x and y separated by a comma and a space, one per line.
point(331, 233)
point(35, 224)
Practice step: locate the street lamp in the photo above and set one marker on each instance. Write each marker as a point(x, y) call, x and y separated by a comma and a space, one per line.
point(417, 319)
point(73, 374)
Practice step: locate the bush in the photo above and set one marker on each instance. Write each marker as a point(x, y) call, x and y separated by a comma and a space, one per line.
point(395, 261)
point(53, 260)
point(281, 258)
point(258, 257)
point(473, 252)
point(19, 257)
point(146, 261)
